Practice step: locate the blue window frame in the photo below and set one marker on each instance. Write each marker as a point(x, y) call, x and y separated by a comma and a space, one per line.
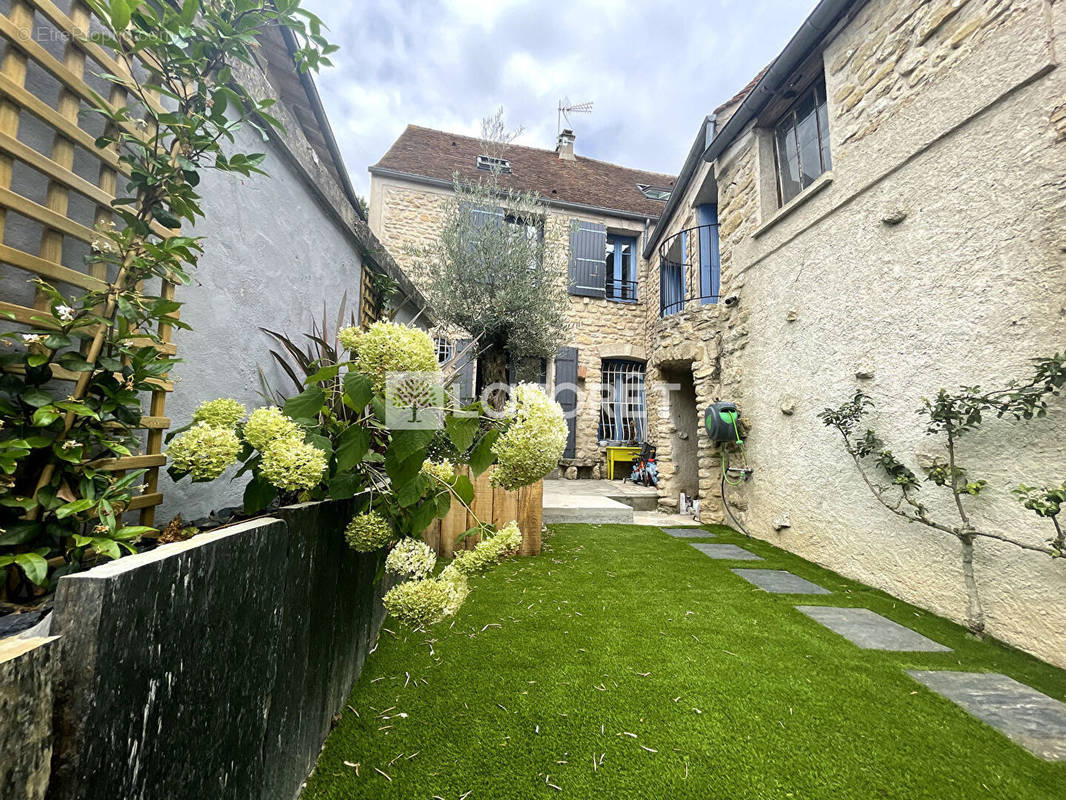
point(621, 260)
point(672, 276)
point(710, 257)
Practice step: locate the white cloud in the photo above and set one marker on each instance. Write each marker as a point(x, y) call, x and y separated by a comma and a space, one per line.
point(653, 69)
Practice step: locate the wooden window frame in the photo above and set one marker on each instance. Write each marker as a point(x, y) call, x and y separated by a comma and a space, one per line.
point(824, 142)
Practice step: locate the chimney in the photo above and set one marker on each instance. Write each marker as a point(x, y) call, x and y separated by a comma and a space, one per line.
point(565, 147)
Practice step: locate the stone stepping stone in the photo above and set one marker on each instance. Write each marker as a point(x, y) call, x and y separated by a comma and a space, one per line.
point(779, 581)
point(689, 533)
point(1028, 717)
point(871, 631)
point(730, 552)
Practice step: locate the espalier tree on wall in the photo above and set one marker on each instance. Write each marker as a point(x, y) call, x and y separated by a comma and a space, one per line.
point(950, 416)
point(495, 270)
point(57, 507)
point(339, 439)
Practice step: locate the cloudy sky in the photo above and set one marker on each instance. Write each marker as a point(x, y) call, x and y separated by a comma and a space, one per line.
point(653, 69)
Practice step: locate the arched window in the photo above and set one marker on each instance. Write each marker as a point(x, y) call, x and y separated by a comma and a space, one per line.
point(623, 410)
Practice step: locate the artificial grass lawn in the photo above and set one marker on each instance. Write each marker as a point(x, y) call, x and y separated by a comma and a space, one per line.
point(624, 646)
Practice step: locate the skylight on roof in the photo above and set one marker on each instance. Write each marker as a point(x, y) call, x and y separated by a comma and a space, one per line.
point(653, 193)
point(490, 163)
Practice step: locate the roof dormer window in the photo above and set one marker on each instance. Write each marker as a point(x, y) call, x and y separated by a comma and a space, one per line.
point(493, 164)
point(653, 192)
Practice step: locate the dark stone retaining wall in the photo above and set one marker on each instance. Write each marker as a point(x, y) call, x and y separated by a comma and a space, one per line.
point(210, 668)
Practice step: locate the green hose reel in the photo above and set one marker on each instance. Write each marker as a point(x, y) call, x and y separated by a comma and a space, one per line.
point(722, 421)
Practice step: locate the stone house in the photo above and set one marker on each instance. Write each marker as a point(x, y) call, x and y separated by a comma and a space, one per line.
point(602, 212)
point(883, 208)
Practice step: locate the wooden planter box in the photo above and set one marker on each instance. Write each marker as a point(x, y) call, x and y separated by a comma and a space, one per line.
point(490, 504)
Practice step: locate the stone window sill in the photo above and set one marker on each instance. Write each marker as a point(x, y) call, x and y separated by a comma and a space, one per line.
point(820, 183)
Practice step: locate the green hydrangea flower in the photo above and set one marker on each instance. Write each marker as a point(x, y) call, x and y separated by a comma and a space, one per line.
point(419, 604)
point(225, 412)
point(204, 451)
point(489, 551)
point(456, 587)
point(532, 444)
point(422, 603)
point(266, 424)
point(411, 558)
point(444, 470)
point(290, 463)
point(386, 347)
point(368, 532)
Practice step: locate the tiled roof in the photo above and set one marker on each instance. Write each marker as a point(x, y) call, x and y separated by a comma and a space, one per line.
point(743, 92)
point(439, 155)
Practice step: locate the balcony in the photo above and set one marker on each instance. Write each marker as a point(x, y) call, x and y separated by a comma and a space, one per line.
point(689, 269)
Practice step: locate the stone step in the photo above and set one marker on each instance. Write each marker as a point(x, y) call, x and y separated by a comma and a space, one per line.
point(870, 631)
point(589, 508)
point(638, 502)
point(1031, 718)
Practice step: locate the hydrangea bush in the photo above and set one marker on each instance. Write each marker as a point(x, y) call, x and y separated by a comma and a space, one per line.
point(331, 441)
point(411, 558)
point(267, 423)
point(368, 531)
point(386, 347)
point(533, 442)
point(204, 451)
point(291, 464)
point(424, 601)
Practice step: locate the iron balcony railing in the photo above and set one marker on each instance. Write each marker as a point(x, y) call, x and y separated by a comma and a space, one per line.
point(689, 269)
point(622, 291)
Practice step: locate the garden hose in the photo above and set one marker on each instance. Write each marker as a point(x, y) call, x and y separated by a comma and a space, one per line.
point(745, 473)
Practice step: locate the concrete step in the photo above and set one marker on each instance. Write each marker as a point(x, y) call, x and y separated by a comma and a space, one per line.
point(645, 501)
point(588, 508)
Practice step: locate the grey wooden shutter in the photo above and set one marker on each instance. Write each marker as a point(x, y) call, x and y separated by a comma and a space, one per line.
point(465, 382)
point(480, 218)
point(566, 377)
point(588, 254)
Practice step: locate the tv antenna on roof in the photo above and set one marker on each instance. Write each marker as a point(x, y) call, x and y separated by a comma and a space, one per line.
point(566, 108)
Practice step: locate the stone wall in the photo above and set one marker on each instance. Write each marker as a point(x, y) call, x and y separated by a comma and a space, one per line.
point(408, 217)
point(27, 669)
point(207, 668)
point(932, 256)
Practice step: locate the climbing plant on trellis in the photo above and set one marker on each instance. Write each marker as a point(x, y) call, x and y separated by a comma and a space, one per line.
point(108, 114)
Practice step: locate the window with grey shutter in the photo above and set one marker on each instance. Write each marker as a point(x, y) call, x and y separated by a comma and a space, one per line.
point(480, 218)
point(588, 252)
point(464, 384)
point(566, 394)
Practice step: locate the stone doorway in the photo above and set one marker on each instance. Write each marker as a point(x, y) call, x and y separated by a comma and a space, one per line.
point(683, 431)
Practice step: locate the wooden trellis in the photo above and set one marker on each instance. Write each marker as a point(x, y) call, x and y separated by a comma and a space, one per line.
point(47, 139)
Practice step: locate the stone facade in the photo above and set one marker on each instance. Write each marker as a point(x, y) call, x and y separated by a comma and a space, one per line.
point(408, 216)
point(932, 255)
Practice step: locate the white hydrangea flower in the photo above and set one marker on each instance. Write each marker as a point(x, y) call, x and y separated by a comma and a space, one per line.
point(411, 558)
point(533, 442)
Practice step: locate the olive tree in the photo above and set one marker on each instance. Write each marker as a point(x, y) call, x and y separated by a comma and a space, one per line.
point(497, 269)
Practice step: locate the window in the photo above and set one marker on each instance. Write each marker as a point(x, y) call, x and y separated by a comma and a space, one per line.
point(533, 230)
point(710, 257)
point(602, 264)
point(653, 193)
point(672, 276)
point(490, 163)
point(445, 349)
point(801, 143)
point(623, 412)
point(621, 269)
